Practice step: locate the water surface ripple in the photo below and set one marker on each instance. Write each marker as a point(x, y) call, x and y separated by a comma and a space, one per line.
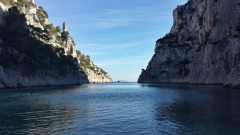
point(121, 108)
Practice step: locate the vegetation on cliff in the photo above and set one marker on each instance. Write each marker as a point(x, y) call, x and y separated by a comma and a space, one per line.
point(201, 48)
point(8, 2)
point(35, 45)
point(86, 64)
point(14, 35)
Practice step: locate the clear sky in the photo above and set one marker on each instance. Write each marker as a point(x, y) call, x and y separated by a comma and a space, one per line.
point(118, 35)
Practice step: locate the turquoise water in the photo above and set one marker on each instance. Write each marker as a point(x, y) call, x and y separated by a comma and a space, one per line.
point(121, 108)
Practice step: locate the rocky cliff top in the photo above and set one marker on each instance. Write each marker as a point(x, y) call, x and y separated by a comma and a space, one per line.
point(202, 46)
point(25, 30)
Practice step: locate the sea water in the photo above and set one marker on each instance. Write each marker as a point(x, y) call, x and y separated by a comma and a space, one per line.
point(121, 108)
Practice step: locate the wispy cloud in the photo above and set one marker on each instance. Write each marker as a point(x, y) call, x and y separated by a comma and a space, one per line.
point(91, 54)
point(120, 36)
point(123, 61)
point(59, 18)
point(110, 18)
point(50, 6)
point(109, 24)
point(133, 11)
point(96, 47)
point(100, 49)
point(102, 46)
point(126, 19)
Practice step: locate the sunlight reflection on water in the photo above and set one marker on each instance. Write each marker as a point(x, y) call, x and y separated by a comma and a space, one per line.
point(120, 108)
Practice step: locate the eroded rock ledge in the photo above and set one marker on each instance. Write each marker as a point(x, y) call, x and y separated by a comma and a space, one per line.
point(34, 53)
point(203, 46)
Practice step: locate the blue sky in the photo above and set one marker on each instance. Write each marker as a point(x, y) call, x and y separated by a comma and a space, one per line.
point(118, 35)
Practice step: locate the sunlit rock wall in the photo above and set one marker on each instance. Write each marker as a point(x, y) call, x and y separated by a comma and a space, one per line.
point(203, 46)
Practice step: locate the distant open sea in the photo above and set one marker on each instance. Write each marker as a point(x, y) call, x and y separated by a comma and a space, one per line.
point(121, 108)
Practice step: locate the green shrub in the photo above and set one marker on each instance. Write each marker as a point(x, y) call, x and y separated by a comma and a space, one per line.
point(51, 29)
point(102, 71)
point(42, 15)
point(65, 35)
point(93, 69)
point(43, 11)
point(36, 29)
point(49, 26)
point(78, 53)
point(7, 2)
point(58, 29)
point(15, 35)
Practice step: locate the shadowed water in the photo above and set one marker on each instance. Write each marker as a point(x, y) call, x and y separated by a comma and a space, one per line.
point(121, 108)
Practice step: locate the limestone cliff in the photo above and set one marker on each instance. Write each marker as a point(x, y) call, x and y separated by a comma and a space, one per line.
point(94, 73)
point(203, 46)
point(34, 53)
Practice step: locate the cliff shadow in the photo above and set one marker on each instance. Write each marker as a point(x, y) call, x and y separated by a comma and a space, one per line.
point(23, 51)
point(200, 110)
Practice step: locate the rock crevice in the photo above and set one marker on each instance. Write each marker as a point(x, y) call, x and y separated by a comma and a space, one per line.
point(202, 47)
point(57, 62)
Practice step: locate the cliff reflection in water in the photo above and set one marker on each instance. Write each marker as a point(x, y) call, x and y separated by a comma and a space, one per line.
point(199, 110)
point(121, 108)
point(47, 111)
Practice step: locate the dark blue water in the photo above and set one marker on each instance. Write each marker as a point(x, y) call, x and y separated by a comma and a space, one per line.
point(121, 108)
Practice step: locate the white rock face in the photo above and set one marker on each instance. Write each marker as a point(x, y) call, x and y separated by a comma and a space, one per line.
point(98, 78)
point(31, 17)
point(27, 0)
point(70, 47)
point(202, 46)
point(94, 73)
point(14, 77)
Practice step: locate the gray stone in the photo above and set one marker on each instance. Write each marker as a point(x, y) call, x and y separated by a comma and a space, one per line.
point(202, 47)
point(64, 27)
point(13, 77)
